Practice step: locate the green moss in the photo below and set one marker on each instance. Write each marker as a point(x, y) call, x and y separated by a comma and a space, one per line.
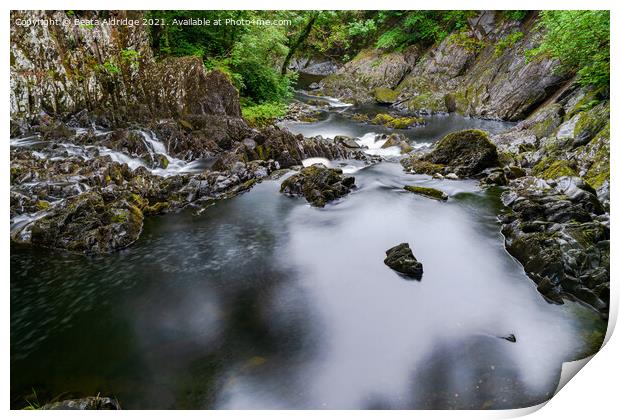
point(418, 166)
point(467, 42)
point(119, 216)
point(592, 121)
point(430, 102)
point(385, 95)
point(507, 42)
point(555, 170)
point(186, 124)
point(43, 205)
point(598, 172)
point(360, 117)
point(427, 192)
point(157, 208)
point(263, 152)
point(396, 122)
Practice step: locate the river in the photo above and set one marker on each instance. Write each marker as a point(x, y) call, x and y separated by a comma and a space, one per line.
point(262, 301)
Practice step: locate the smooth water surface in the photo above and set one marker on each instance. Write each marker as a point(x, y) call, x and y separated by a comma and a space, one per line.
point(262, 301)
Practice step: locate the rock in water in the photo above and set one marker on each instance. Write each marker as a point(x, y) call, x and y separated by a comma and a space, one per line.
point(427, 192)
point(318, 184)
point(465, 153)
point(88, 403)
point(401, 259)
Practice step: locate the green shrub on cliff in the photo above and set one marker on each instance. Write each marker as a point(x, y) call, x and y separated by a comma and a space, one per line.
point(264, 114)
point(580, 40)
point(248, 54)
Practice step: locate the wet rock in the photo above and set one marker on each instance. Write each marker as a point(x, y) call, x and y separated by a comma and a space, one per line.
point(465, 153)
point(347, 142)
point(370, 69)
point(392, 140)
point(90, 223)
point(318, 184)
point(401, 259)
point(555, 230)
point(88, 403)
point(394, 121)
point(427, 192)
point(385, 95)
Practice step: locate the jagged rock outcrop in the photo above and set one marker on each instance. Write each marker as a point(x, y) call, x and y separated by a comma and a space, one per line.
point(480, 71)
point(318, 184)
point(108, 70)
point(370, 69)
point(569, 136)
point(559, 231)
point(465, 153)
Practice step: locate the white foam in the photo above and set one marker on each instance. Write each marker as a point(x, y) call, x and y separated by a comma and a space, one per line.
point(315, 160)
point(374, 146)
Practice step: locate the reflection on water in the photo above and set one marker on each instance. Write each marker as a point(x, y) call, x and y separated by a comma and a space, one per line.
point(266, 302)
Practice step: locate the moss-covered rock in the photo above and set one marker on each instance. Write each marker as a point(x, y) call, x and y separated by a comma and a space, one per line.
point(396, 121)
point(385, 95)
point(591, 123)
point(416, 165)
point(557, 230)
point(360, 117)
point(427, 192)
point(318, 184)
point(90, 223)
point(466, 152)
point(551, 169)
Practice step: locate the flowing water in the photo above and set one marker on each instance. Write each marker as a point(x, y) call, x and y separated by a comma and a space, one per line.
point(262, 301)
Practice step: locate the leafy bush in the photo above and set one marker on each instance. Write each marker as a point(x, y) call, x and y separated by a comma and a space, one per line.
point(249, 55)
point(517, 15)
point(580, 40)
point(263, 114)
point(421, 26)
point(507, 42)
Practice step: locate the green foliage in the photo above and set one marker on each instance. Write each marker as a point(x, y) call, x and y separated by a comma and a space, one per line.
point(507, 42)
point(580, 40)
point(130, 57)
point(108, 67)
point(363, 28)
point(517, 15)
point(419, 26)
point(249, 54)
point(466, 41)
point(263, 114)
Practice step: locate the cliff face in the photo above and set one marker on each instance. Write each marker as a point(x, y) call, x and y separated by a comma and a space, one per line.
point(107, 70)
point(481, 72)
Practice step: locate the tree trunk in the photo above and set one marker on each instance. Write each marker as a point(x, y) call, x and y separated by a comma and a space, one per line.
point(297, 42)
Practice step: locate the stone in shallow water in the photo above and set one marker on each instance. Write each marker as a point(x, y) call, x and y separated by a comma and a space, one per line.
point(318, 184)
point(427, 192)
point(401, 259)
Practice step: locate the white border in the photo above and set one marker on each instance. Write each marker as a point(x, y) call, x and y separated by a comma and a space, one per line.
point(593, 394)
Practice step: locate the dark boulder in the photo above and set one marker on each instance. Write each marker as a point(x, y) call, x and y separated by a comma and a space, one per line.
point(318, 184)
point(90, 223)
point(88, 403)
point(466, 153)
point(558, 231)
point(401, 259)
